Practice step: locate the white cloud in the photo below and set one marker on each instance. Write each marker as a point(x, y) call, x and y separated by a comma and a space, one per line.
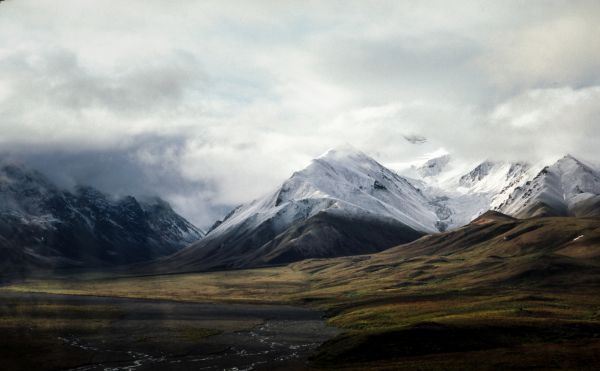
point(547, 123)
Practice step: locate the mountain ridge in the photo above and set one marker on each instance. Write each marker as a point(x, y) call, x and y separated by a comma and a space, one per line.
point(568, 187)
point(45, 227)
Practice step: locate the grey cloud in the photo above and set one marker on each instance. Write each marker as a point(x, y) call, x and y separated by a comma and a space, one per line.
point(148, 166)
point(547, 52)
point(432, 66)
point(57, 77)
point(415, 139)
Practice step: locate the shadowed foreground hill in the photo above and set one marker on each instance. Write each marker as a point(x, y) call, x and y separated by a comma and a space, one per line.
point(493, 250)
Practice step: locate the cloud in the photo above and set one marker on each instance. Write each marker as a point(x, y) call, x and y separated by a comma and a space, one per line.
point(213, 103)
point(415, 139)
point(547, 123)
point(49, 92)
point(148, 166)
point(549, 52)
point(433, 66)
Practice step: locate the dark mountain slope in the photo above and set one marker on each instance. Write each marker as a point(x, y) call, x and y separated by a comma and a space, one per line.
point(44, 227)
point(324, 235)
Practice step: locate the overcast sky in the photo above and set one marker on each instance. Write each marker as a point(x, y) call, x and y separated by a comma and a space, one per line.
point(213, 103)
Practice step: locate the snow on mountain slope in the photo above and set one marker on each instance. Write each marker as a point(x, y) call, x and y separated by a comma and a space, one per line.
point(568, 187)
point(497, 180)
point(342, 181)
point(48, 227)
point(461, 193)
point(343, 203)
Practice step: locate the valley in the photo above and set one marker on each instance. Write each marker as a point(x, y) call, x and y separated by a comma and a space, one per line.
point(497, 293)
point(93, 333)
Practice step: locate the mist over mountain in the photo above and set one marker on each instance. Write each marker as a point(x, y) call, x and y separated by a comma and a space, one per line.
point(343, 203)
point(44, 227)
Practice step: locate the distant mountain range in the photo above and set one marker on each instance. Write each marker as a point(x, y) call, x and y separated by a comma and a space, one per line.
point(343, 203)
point(568, 187)
point(45, 227)
point(346, 203)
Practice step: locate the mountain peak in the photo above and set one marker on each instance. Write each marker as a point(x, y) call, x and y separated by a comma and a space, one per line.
point(343, 151)
point(18, 173)
point(82, 227)
point(569, 164)
point(563, 188)
point(319, 211)
point(477, 174)
point(433, 166)
point(569, 158)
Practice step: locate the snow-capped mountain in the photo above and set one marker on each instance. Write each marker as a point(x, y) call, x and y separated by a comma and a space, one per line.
point(42, 225)
point(343, 203)
point(343, 180)
point(496, 180)
point(461, 192)
point(568, 187)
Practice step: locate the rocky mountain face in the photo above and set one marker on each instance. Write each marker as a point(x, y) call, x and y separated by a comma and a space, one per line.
point(568, 187)
point(43, 226)
point(459, 194)
point(477, 174)
point(433, 166)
